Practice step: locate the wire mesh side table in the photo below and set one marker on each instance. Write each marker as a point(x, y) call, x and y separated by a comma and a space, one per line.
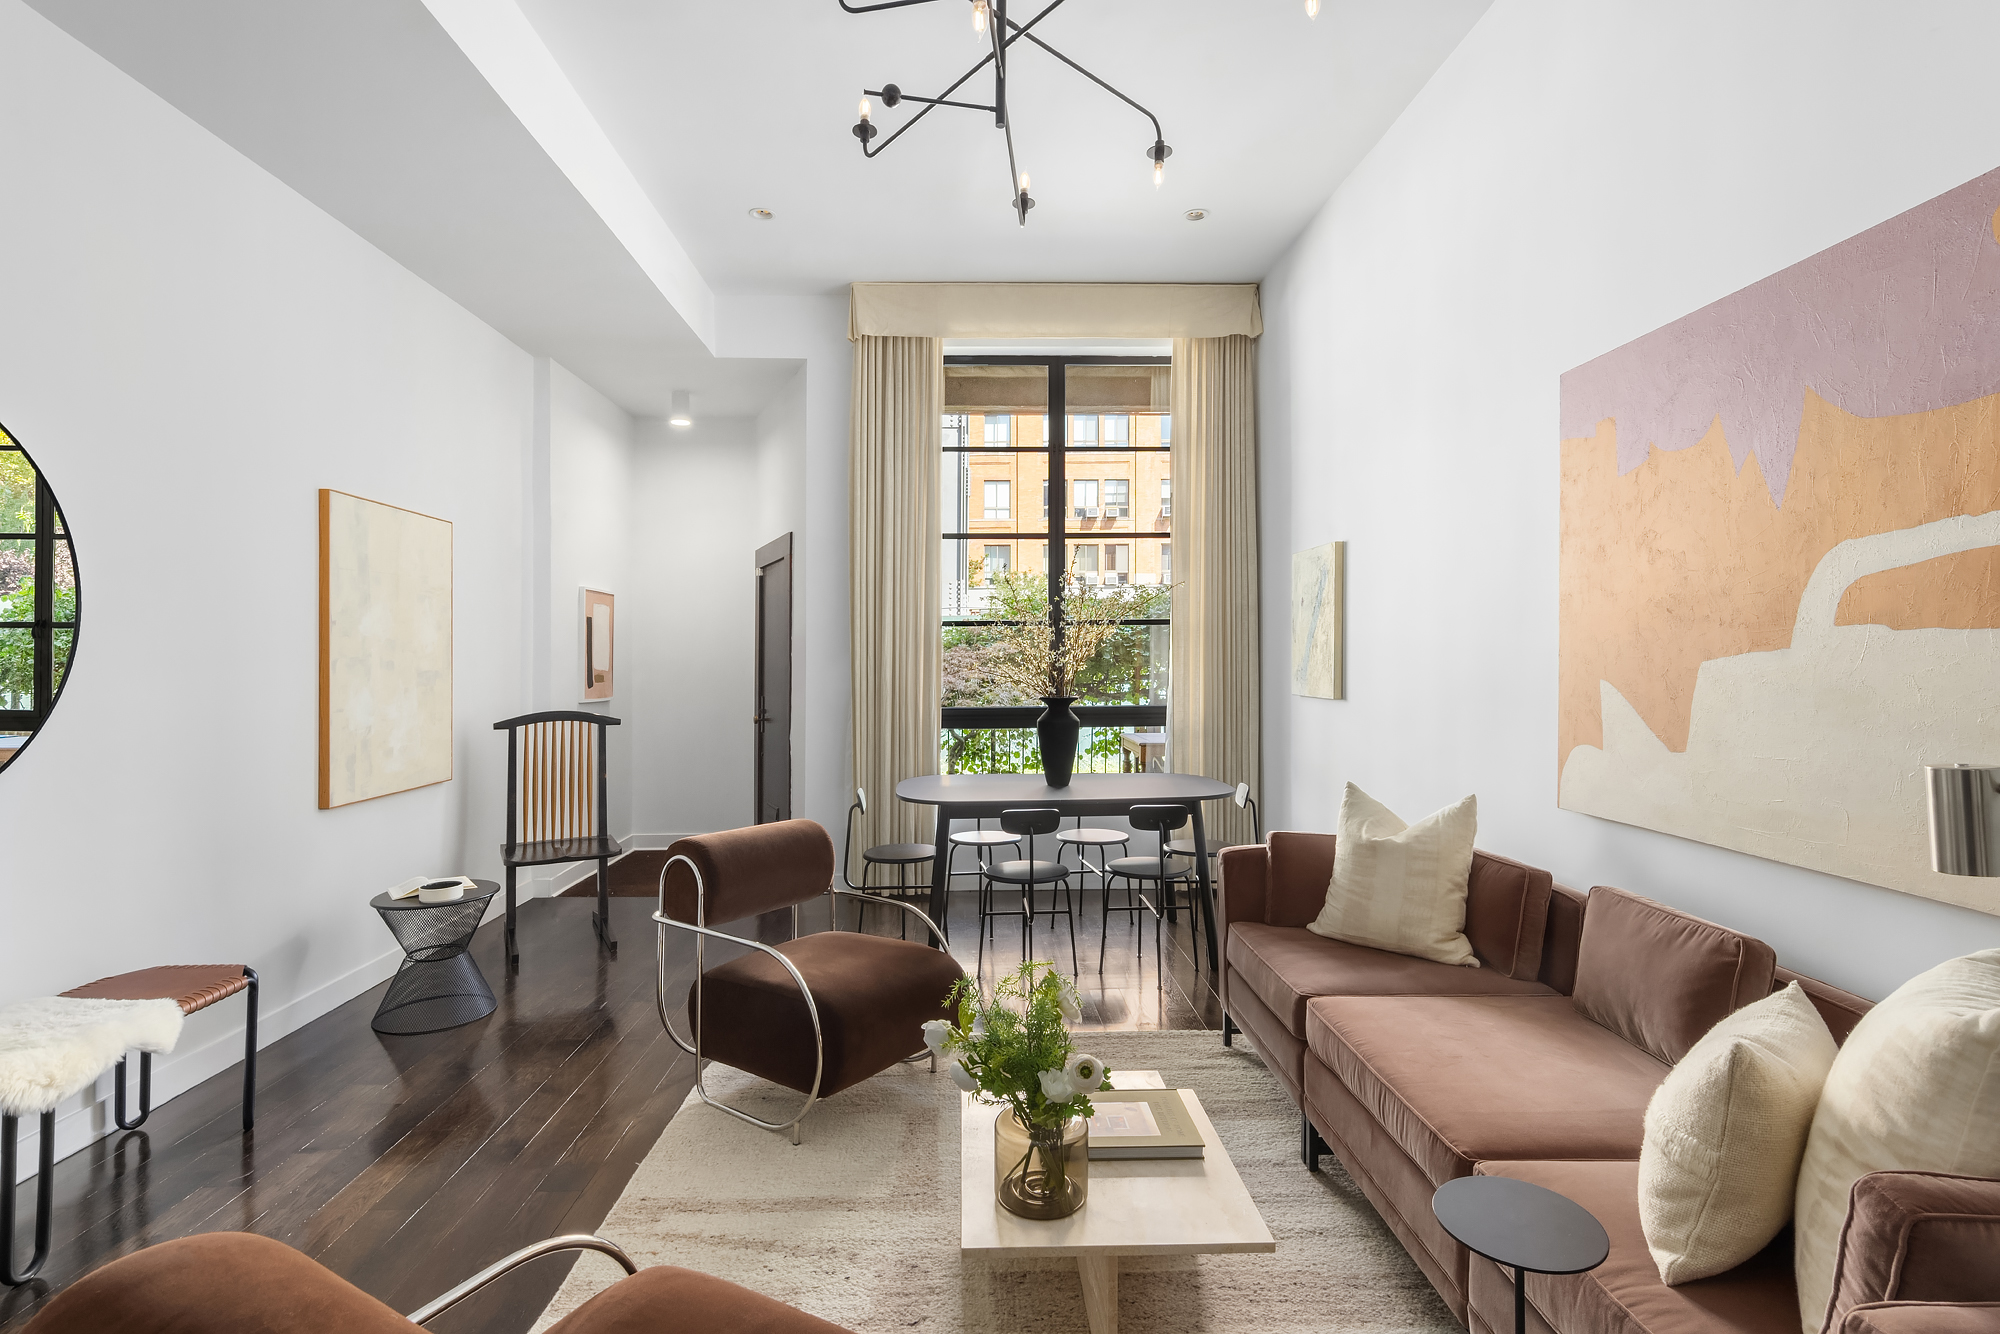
point(437, 986)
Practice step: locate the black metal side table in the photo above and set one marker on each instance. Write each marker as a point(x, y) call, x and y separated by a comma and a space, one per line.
point(438, 986)
point(1522, 1226)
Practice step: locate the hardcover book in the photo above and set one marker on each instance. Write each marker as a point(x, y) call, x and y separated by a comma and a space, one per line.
point(1143, 1123)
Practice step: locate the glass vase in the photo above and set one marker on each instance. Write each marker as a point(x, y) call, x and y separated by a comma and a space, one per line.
point(1040, 1171)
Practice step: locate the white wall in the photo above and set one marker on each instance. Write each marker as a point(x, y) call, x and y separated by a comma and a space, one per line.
point(689, 627)
point(189, 350)
point(1578, 173)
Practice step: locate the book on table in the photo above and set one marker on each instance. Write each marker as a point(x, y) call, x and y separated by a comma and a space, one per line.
point(438, 886)
point(1143, 1123)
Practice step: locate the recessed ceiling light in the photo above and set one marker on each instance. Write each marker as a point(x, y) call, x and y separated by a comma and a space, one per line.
point(762, 214)
point(1196, 214)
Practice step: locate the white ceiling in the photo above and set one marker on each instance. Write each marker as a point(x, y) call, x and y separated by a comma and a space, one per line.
point(373, 111)
point(721, 106)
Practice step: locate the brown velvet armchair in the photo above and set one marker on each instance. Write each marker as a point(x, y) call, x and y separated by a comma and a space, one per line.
point(816, 1014)
point(1920, 1254)
point(237, 1283)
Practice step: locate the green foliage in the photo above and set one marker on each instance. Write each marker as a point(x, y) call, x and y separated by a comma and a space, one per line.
point(1010, 1041)
point(17, 492)
point(17, 647)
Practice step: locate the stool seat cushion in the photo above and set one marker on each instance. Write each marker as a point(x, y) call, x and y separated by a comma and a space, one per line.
point(893, 853)
point(1148, 868)
point(55, 1045)
point(984, 838)
point(192, 986)
point(1027, 872)
point(873, 995)
point(1095, 838)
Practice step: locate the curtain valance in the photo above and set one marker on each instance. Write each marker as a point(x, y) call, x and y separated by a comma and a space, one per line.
point(1054, 310)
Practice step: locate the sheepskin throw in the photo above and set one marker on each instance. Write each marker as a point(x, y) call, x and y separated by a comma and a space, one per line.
point(56, 1045)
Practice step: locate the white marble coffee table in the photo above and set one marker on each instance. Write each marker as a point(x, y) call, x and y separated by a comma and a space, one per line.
point(1141, 1206)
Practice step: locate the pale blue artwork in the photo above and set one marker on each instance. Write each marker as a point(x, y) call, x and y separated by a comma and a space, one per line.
point(1318, 579)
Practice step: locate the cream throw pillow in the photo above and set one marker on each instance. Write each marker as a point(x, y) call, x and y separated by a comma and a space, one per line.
point(1916, 1087)
point(1724, 1135)
point(1401, 887)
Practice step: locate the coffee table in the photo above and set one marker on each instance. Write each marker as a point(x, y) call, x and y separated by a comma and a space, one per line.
point(1136, 1206)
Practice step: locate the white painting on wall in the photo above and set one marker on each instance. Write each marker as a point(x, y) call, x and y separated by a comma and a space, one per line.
point(1319, 578)
point(385, 605)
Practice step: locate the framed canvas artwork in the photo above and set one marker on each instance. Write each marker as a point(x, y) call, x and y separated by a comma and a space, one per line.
point(385, 607)
point(1780, 555)
point(599, 641)
point(1319, 582)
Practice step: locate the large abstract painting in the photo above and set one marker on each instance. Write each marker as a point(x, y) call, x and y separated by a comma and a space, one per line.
point(1781, 555)
point(385, 649)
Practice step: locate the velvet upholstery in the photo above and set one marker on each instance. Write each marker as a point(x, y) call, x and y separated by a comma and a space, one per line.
point(1917, 1237)
point(1841, 1010)
point(1563, 938)
point(1506, 915)
point(1295, 885)
point(1624, 1295)
point(1659, 978)
point(1457, 1080)
point(745, 872)
point(1286, 966)
point(1923, 1318)
point(1283, 1052)
point(237, 1283)
point(873, 994)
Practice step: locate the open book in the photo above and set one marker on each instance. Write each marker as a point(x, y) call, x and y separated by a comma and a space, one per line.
point(439, 887)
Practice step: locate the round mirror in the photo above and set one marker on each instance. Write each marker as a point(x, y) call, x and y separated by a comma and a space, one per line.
point(38, 599)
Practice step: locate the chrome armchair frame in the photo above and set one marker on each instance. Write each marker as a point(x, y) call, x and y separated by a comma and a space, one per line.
point(575, 1241)
point(701, 931)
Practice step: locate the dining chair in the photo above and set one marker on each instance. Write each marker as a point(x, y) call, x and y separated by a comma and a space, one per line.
point(1027, 874)
point(902, 856)
point(1082, 840)
point(557, 807)
point(1211, 845)
point(1140, 872)
point(985, 844)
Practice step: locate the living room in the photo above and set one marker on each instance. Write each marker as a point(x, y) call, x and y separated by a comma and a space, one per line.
point(581, 298)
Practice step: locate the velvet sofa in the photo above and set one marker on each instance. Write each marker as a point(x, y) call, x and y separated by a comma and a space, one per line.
point(1537, 1064)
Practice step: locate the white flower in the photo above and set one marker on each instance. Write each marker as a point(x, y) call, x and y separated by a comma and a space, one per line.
point(1086, 1072)
point(962, 1077)
point(1057, 1086)
point(936, 1033)
point(1066, 1004)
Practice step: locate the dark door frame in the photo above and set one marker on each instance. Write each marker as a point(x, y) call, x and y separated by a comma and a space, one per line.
point(772, 553)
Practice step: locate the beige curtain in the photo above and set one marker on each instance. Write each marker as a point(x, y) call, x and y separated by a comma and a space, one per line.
point(893, 563)
point(1054, 310)
point(1214, 715)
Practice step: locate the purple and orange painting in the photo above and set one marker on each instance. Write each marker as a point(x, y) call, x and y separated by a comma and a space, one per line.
point(1781, 555)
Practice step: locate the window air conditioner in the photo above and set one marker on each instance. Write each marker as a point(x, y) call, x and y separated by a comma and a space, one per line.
point(1085, 512)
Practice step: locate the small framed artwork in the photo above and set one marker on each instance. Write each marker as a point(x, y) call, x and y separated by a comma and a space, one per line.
point(599, 642)
point(384, 649)
point(1319, 597)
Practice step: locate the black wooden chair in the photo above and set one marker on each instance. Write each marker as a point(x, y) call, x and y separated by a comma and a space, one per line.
point(556, 805)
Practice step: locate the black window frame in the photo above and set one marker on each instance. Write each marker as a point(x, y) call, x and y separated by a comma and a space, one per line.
point(1056, 443)
point(51, 530)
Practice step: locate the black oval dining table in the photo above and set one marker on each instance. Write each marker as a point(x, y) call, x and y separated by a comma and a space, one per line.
point(984, 796)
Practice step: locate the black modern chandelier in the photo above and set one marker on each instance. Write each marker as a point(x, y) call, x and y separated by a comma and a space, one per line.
point(989, 19)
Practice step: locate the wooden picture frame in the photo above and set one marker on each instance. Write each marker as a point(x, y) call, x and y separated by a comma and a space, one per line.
point(385, 649)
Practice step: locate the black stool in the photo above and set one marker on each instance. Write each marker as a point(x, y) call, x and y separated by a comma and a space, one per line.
point(1027, 874)
point(1138, 872)
point(902, 856)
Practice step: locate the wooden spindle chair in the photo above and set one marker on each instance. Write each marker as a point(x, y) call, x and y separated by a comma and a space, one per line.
point(557, 810)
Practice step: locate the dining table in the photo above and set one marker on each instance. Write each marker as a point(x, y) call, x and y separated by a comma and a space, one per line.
point(985, 796)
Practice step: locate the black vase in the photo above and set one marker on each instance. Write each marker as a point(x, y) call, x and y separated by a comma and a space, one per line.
point(1057, 731)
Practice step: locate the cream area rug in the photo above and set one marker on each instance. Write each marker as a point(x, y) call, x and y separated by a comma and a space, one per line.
point(859, 1224)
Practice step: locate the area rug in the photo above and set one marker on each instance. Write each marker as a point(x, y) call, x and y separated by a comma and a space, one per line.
point(859, 1224)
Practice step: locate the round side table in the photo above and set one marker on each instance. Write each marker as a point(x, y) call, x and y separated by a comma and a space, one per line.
point(1522, 1226)
point(438, 986)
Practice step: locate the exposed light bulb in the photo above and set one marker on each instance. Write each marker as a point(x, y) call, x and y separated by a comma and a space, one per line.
point(1024, 182)
point(1159, 173)
point(1312, 9)
point(979, 17)
point(865, 109)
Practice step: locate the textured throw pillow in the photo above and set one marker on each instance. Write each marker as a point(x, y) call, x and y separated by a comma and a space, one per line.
point(1724, 1135)
point(1915, 1088)
point(1401, 887)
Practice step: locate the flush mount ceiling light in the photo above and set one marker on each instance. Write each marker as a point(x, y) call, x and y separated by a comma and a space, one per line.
point(683, 414)
point(762, 214)
point(1196, 214)
point(1000, 33)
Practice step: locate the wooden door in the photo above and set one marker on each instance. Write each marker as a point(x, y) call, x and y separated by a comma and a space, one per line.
point(774, 681)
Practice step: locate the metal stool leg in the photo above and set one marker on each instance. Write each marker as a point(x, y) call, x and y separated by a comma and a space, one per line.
point(250, 1054)
point(145, 1093)
point(45, 1176)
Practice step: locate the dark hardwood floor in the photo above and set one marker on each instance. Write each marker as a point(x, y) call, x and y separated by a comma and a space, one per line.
point(407, 1163)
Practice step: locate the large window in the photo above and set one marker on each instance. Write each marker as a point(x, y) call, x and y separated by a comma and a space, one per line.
point(1004, 565)
point(38, 599)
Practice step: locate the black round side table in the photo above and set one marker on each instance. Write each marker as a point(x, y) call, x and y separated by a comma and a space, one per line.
point(1522, 1226)
point(438, 986)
